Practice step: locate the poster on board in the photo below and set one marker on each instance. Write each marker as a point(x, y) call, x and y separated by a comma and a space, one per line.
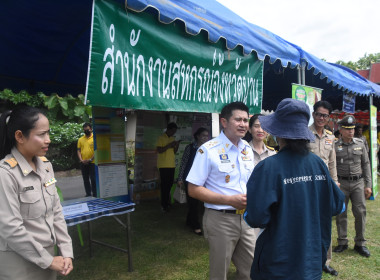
point(110, 153)
point(310, 95)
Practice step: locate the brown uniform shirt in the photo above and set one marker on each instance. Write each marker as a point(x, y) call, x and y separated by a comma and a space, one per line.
point(352, 159)
point(31, 216)
point(267, 152)
point(324, 148)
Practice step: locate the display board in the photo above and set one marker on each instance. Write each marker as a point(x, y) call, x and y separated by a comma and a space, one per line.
point(110, 153)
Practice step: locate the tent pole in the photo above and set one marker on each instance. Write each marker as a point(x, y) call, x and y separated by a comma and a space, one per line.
point(299, 75)
point(215, 131)
point(303, 82)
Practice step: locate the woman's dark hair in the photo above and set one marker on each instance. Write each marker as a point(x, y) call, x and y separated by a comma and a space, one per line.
point(248, 136)
point(298, 146)
point(199, 132)
point(22, 118)
point(253, 119)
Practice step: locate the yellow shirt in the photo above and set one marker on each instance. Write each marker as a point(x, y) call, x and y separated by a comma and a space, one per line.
point(167, 158)
point(86, 146)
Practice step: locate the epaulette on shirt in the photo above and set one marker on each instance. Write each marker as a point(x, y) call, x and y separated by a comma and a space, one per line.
point(12, 162)
point(44, 159)
point(245, 142)
point(270, 148)
point(211, 143)
point(358, 140)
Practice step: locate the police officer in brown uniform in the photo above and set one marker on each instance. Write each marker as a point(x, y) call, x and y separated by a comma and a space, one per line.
point(323, 146)
point(354, 176)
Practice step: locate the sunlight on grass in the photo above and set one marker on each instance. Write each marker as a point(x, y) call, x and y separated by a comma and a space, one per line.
point(163, 248)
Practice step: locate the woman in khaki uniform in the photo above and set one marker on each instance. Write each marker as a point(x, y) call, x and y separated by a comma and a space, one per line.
point(31, 218)
point(260, 150)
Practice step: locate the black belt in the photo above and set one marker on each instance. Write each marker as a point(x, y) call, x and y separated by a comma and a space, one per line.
point(238, 212)
point(350, 178)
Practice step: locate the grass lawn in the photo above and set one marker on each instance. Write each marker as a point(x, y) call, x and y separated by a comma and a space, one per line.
point(163, 248)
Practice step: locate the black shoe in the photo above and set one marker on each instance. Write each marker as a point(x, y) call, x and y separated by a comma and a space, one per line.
point(340, 248)
point(330, 270)
point(362, 250)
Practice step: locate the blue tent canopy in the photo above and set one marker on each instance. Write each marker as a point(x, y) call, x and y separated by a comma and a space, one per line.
point(44, 45)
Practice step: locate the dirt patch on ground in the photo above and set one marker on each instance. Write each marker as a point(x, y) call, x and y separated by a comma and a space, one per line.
point(68, 173)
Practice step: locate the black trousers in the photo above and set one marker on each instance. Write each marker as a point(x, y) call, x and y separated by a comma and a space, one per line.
point(195, 211)
point(88, 173)
point(167, 180)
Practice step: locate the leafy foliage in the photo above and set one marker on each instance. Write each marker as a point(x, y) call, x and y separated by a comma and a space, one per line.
point(66, 116)
point(23, 97)
point(63, 135)
point(363, 62)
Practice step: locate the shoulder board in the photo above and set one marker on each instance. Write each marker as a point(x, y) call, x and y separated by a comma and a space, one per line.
point(211, 143)
point(359, 140)
point(12, 162)
point(245, 142)
point(270, 148)
point(328, 131)
point(44, 159)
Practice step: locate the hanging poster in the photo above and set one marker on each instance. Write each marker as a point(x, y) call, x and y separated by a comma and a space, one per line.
point(138, 63)
point(349, 103)
point(310, 95)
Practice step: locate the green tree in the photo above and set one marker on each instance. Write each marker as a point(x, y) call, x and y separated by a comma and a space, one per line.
point(366, 61)
point(363, 62)
point(350, 64)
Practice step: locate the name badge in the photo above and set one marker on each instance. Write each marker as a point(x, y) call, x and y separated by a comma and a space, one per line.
point(30, 188)
point(224, 158)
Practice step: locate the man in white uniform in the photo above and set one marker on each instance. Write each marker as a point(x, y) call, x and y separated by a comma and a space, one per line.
point(218, 177)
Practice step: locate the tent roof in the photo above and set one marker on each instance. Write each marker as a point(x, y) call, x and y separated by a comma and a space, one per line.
point(220, 22)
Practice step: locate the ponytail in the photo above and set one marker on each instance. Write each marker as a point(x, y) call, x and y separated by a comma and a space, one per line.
point(22, 118)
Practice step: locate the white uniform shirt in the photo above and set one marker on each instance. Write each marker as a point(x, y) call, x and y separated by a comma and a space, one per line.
point(222, 167)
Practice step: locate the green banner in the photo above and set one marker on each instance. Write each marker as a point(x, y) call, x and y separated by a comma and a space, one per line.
point(136, 62)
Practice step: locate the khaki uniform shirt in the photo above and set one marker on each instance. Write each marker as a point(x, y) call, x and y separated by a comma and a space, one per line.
point(352, 159)
point(324, 148)
point(267, 152)
point(31, 216)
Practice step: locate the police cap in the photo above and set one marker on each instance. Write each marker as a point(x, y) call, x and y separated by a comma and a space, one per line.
point(347, 122)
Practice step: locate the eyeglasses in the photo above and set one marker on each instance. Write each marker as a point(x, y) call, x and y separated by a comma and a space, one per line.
point(319, 115)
